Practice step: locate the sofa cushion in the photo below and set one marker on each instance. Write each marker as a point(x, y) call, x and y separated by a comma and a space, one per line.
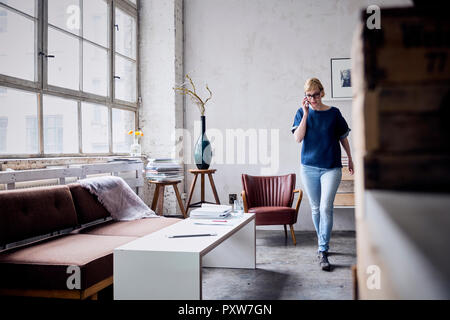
point(274, 215)
point(86, 204)
point(27, 213)
point(134, 228)
point(45, 265)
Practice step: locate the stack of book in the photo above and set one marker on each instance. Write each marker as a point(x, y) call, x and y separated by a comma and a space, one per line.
point(164, 170)
point(211, 211)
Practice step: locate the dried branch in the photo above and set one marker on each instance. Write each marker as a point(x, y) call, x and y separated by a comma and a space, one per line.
point(210, 94)
point(193, 94)
point(192, 82)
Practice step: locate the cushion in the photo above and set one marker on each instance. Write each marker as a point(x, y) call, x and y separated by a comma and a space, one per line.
point(87, 206)
point(44, 265)
point(134, 228)
point(27, 213)
point(274, 215)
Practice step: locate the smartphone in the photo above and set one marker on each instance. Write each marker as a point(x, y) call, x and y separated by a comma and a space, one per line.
point(307, 102)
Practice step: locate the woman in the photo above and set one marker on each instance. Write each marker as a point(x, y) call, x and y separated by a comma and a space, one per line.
point(321, 128)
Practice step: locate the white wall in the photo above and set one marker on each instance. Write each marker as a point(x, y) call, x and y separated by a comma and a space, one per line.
point(255, 56)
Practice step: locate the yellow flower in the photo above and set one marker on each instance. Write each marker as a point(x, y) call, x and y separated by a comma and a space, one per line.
point(136, 133)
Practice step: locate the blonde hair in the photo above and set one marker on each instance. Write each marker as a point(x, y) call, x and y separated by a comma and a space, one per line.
point(312, 84)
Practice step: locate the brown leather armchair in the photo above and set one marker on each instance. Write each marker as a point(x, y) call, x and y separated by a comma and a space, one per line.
point(270, 198)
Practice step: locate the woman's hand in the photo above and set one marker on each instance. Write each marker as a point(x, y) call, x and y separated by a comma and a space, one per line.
point(305, 106)
point(350, 166)
point(346, 146)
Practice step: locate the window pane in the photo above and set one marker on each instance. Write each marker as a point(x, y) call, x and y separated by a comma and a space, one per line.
point(26, 6)
point(126, 85)
point(18, 122)
point(60, 125)
point(63, 69)
point(122, 122)
point(95, 128)
point(65, 14)
point(16, 57)
point(125, 34)
point(95, 21)
point(133, 1)
point(95, 69)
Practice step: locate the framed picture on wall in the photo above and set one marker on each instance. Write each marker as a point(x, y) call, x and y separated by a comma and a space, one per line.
point(341, 78)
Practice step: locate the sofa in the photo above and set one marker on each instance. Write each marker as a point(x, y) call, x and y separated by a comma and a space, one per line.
point(79, 233)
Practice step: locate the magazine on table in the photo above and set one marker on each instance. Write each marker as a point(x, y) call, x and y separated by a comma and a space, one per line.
point(211, 211)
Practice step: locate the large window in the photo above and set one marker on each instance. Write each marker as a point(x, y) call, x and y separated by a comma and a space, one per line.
point(18, 29)
point(68, 77)
point(19, 112)
point(60, 125)
point(125, 56)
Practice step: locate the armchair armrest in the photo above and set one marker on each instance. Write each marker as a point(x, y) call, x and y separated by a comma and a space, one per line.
point(244, 200)
point(299, 199)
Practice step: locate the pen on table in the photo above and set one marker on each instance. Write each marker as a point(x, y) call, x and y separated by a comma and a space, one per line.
point(193, 235)
point(220, 221)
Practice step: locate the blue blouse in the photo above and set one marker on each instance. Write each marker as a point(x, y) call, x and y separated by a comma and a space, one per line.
point(324, 129)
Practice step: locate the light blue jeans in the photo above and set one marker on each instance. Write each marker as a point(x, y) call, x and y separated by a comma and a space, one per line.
point(321, 186)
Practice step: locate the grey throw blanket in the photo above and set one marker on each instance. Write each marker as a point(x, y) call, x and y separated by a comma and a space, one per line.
point(118, 198)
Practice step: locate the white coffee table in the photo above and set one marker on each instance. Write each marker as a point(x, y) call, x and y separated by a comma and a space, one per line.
point(157, 267)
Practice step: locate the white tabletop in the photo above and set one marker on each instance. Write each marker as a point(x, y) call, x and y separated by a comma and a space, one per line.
point(160, 241)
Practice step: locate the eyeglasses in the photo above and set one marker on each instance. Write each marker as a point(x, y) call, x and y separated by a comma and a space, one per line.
point(315, 95)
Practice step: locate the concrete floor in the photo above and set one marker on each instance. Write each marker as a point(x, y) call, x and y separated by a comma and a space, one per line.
point(287, 272)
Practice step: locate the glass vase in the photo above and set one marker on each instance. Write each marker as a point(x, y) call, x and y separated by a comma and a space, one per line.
point(202, 150)
point(135, 149)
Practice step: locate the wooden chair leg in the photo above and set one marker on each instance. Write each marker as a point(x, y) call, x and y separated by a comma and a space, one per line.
point(180, 202)
point(202, 188)
point(293, 235)
point(285, 231)
point(160, 206)
point(191, 191)
point(213, 187)
point(155, 197)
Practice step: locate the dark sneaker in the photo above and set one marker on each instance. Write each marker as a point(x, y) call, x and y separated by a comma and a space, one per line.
point(324, 263)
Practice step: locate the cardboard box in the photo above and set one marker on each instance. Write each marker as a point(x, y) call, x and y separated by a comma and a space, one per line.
point(401, 105)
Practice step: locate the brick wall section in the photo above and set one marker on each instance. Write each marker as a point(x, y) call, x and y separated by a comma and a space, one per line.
point(161, 114)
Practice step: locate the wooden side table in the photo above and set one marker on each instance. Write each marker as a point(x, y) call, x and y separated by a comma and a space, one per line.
point(202, 173)
point(158, 206)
